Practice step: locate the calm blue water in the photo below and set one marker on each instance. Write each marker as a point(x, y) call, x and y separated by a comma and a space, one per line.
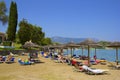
point(109, 55)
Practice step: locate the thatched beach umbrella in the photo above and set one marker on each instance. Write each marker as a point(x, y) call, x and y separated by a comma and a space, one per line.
point(30, 44)
point(96, 45)
point(82, 49)
point(58, 47)
point(115, 45)
point(72, 45)
point(89, 43)
point(54, 47)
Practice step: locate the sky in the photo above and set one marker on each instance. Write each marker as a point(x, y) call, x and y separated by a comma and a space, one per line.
point(98, 19)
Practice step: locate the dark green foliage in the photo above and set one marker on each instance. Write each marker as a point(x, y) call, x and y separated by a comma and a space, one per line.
point(29, 32)
point(104, 43)
point(24, 31)
point(12, 26)
point(46, 41)
point(7, 43)
point(3, 10)
point(37, 35)
point(17, 39)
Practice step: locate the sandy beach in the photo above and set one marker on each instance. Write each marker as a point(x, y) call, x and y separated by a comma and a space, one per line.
point(49, 70)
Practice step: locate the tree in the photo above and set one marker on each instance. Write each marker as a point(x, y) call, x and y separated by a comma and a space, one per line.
point(104, 43)
point(3, 10)
point(37, 35)
point(24, 32)
point(13, 18)
point(46, 41)
point(29, 32)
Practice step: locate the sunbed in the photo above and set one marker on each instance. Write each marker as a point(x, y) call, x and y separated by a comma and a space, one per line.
point(113, 66)
point(93, 71)
point(77, 68)
point(10, 61)
point(24, 63)
point(3, 59)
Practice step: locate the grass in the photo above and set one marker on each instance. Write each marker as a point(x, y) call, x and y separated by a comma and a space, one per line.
point(16, 45)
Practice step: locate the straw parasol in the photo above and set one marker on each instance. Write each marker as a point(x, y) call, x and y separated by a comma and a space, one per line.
point(54, 47)
point(71, 45)
point(115, 45)
point(30, 44)
point(58, 47)
point(89, 43)
point(96, 45)
point(82, 46)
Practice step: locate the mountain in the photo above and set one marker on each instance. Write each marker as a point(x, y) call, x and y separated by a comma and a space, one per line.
point(64, 40)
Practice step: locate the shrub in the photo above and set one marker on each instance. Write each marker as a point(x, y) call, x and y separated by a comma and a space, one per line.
point(7, 43)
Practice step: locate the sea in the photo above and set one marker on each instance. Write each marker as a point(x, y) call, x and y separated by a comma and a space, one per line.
point(108, 54)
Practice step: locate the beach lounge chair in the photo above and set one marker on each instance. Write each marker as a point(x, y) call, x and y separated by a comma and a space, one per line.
point(60, 59)
point(36, 60)
point(68, 61)
point(113, 66)
point(24, 63)
point(93, 62)
point(117, 66)
point(3, 58)
point(103, 61)
point(77, 68)
point(93, 70)
point(110, 64)
point(1, 61)
point(12, 60)
point(96, 71)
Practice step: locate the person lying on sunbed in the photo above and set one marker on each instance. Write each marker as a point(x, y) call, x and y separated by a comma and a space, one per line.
point(46, 55)
point(25, 62)
point(0, 58)
point(61, 59)
point(9, 57)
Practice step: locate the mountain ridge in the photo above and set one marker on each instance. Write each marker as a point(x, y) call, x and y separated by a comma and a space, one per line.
point(64, 40)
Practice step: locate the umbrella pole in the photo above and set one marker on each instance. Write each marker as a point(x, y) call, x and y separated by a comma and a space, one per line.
point(82, 51)
point(71, 52)
point(67, 51)
point(95, 51)
point(95, 56)
point(117, 56)
point(61, 51)
point(88, 55)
